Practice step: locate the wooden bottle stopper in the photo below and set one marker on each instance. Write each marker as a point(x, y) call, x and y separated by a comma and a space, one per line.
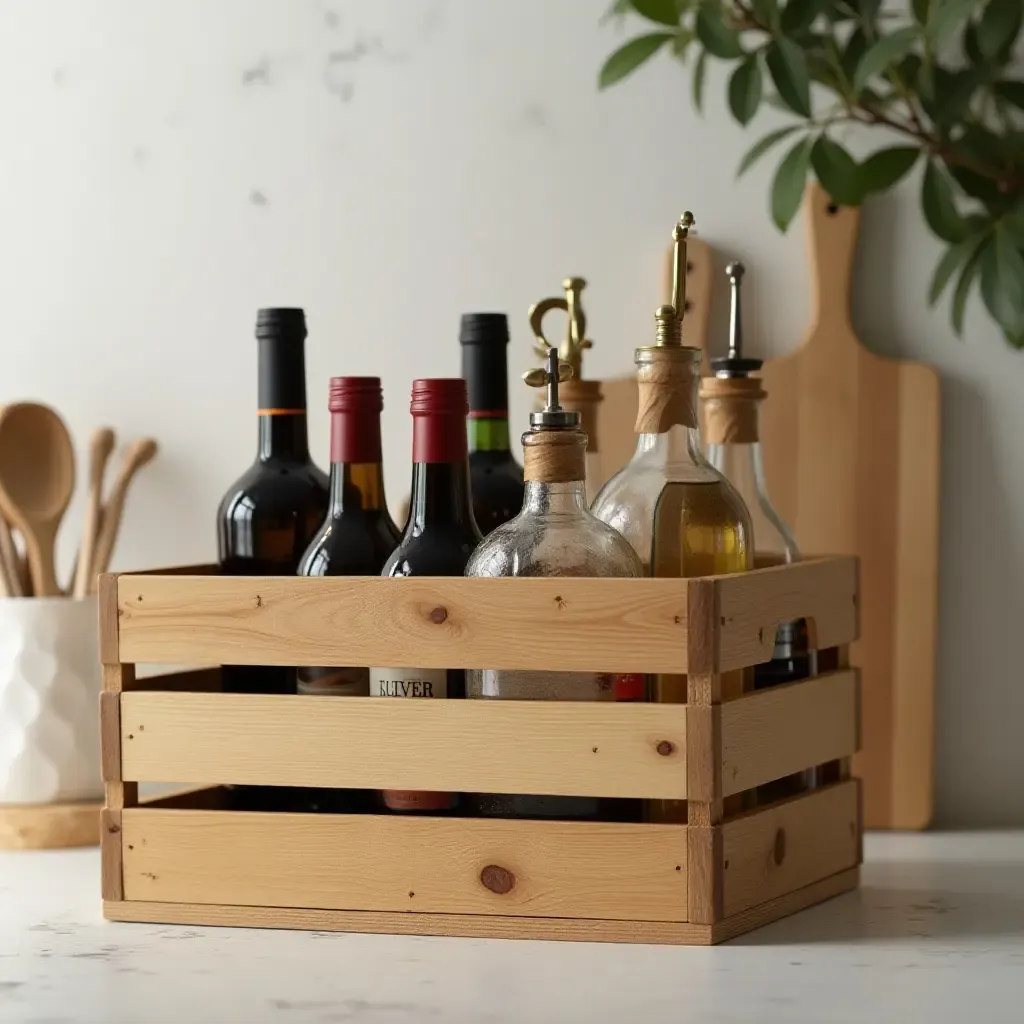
point(554, 456)
point(666, 381)
point(583, 396)
point(731, 409)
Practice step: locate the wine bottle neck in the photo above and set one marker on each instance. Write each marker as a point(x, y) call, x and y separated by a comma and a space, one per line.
point(357, 486)
point(487, 434)
point(441, 496)
point(283, 435)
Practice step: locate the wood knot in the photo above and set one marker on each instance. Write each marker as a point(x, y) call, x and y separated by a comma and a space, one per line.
point(259, 601)
point(438, 615)
point(113, 829)
point(497, 879)
point(559, 603)
point(665, 748)
point(779, 848)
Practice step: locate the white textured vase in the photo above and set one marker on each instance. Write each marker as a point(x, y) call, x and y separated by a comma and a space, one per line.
point(50, 681)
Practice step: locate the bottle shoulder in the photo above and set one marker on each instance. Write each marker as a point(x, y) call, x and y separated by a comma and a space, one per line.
point(434, 551)
point(275, 484)
point(351, 544)
point(557, 545)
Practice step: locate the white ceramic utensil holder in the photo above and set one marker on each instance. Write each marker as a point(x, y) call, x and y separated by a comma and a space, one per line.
point(50, 682)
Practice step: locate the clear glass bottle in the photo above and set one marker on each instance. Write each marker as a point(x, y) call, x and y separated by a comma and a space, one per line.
point(576, 394)
point(731, 400)
point(554, 535)
point(682, 517)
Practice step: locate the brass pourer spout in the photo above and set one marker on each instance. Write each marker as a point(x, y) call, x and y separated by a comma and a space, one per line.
point(669, 319)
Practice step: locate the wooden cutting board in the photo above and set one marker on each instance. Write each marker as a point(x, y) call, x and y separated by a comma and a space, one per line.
point(851, 444)
point(616, 415)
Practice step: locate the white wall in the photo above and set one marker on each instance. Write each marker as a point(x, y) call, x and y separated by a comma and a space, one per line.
point(169, 167)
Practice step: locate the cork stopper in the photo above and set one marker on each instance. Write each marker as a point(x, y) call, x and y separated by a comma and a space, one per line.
point(554, 456)
point(666, 379)
point(731, 409)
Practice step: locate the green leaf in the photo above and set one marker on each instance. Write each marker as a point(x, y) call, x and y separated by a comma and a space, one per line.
point(979, 187)
point(953, 258)
point(921, 8)
point(718, 38)
point(836, 170)
point(999, 26)
point(767, 12)
point(789, 182)
point(627, 58)
point(799, 15)
point(664, 12)
point(939, 205)
point(681, 43)
point(762, 146)
point(1012, 92)
point(856, 46)
point(945, 17)
point(788, 68)
point(868, 9)
point(954, 92)
point(1002, 283)
point(963, 289)
point(699, 73)
point(882, 170)
point(972, 48)
point(745, 87)
point(883, 54)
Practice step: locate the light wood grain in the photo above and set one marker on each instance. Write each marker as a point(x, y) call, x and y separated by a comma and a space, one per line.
point(479, 926)
point(609, 625)
point(110, 737)
point(789, 845)
point(780, 731)
point(851, 443)
point(106, 602)
point(566, 748)
point(394, 864)
point(784, 906)
point(704, 865)
point(110, 855)
point(49, 826)
point(753, 604)
point(101, 444)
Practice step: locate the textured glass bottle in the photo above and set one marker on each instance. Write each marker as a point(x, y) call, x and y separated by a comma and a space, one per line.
point(554, 535)
point(678, 512)
point(731, 399)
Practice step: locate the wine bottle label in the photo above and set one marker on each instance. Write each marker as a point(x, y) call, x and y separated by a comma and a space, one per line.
point(334, 682)
point(412, 682)
point(408, 682)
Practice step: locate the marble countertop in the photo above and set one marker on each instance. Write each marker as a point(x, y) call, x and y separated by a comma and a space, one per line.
point(935, 934)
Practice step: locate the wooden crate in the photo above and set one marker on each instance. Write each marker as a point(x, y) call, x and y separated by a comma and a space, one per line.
point(186, 861)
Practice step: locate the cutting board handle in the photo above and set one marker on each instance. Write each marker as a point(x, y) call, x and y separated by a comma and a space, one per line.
point(832, 243)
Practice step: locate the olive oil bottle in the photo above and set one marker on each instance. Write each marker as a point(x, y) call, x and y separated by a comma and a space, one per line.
point(682, 517)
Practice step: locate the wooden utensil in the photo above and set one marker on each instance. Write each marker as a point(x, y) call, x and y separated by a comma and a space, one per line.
point(100, 446)
point(37, 477)
point(136, 455)
point(616, 415)
point(851, 442)
point(10, 563)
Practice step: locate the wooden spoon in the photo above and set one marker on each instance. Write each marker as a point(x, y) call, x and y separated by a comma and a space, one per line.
point(10, 563)
point(100, 446)
point(137, 454)
point(37, 477)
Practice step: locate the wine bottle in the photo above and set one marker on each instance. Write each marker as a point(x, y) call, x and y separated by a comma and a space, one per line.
point(355, 539)
point(439, 538)
point(496, 477)
point(266, 519)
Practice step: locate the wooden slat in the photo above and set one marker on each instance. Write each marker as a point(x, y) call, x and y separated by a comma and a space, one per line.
point(784, 906)
point(567, 748)
point(110, 855)
point(110, 737)
point(753, 604)
point(49, 826)
point(778, 732)
point(609, 625)
point(106, 602)
point(704, 865)
point(429, 865)
point(479, 926)
point(789, 845)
